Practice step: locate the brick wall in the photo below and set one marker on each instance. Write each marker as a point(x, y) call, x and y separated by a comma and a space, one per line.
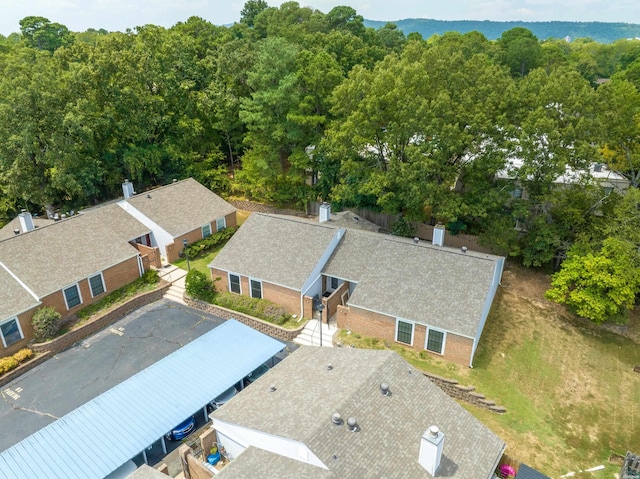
point(285, 297)
point(465, 393)
point(457, 348)
point(174, 249)
point(150, 255)
point(257, 324)
point(230, 220)
point(331, 303)
point(101, 321)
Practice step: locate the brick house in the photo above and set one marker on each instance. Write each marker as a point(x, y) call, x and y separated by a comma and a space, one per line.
point(178, 211)
point(400, 290)
point(351, 413)
point(68, 265)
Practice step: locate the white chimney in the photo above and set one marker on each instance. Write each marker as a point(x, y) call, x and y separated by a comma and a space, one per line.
point(127, 189)
point(431, 445)
point(438, 235)
point(325, 212)
point(26, 221)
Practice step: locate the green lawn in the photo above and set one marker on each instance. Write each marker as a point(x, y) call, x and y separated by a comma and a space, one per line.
point(571, 395)
point(201, 263)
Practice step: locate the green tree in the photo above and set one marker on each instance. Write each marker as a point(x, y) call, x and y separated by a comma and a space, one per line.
point(251, 10)
point(40, 33)
point(520, 51)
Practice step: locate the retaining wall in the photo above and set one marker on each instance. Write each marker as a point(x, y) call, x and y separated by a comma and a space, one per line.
point(465, 393)
point(100, 321)
point(257, 324)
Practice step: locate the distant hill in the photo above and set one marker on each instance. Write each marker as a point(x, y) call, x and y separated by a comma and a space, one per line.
point(599, 31)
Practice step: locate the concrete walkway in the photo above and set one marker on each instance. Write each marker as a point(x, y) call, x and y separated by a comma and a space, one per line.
point(310, 335)
point(175, 276)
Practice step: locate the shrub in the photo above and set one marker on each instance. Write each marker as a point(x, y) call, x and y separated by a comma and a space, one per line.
point(150, 277)
point(22, 355)
point(7, 364)
point(199, 286)
point(211, 242)
point(260, 308)
point(46, 323)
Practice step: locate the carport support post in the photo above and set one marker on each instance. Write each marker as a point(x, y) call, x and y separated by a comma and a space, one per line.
point(164, 446)
point(144, 456)
point(206, 416)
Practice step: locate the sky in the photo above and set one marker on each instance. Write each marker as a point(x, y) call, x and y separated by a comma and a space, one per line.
point(118, 15)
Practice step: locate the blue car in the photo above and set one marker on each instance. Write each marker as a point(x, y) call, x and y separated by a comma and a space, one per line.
point(182, 430)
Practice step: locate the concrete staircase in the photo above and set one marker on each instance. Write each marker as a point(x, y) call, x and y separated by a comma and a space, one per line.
point(310, 335)
point(175, 276)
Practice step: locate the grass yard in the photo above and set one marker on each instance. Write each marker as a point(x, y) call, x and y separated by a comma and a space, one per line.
point(201, 263)
point(571, 395)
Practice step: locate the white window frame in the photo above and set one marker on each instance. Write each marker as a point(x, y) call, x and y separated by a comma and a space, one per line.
point(413, 331)
point(224, 224)
point(444, 340)
point(251, 288)
point(239, 282)
point(15, 318)
point(202, 228)
point(104, 286)
point(77, 286)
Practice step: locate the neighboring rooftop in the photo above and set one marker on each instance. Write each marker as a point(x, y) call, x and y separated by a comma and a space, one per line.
point(401, 278)
point(277, 249)
point(50, 257)
point(173, 207)
point(307, 394)
point(8, 230)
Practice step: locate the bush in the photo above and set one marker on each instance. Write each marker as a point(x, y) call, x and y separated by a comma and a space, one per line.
point(260, 308)
point(46, 323)
point(199, 286)
point(211, 242)
point(7, 364)
point(150, 277)
point(12, 362)
point(22, 355)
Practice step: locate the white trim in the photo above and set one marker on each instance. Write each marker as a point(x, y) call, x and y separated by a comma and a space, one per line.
point(65, 296)
point(413, 331)
point(251, 289)
point(104, 285)
point(14, 318)
point(444, 340)
point(19, 281)
point(208, 225)
point(224, 223)
point(229, 273)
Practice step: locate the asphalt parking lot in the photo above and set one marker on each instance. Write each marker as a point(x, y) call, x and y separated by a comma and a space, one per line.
point(91, 367)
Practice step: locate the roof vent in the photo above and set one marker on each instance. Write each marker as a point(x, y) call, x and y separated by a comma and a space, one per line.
point(355, 218)
point(148, 196)
point(329, 367)
point(336, 419)
point(384, 389)
point(16, 231)
point(438, 235)
point(272, 388)
point(174, 181)
point(353, 424)
point(463, 249)
point(127, 189)
point(416, 240)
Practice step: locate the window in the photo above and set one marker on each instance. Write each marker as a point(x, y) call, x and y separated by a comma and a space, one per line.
point(206, 231)
point(516, 193)
point(97, 284)
point(435, 341)
point(256, 288)
point(404, 332)
point(10, 332)
point(334, 283)
point(220, 224)
point(72, 296)
point(234, 283)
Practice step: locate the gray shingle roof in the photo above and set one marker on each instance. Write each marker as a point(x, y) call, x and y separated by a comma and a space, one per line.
point(14, 299)
point(278, 250)
point(49, 258)
point(7, 230)
point(182, 206)
point(388, 442)
point(442, 287)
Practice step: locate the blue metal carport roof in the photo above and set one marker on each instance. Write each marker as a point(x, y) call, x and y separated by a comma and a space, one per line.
point(101, 435)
